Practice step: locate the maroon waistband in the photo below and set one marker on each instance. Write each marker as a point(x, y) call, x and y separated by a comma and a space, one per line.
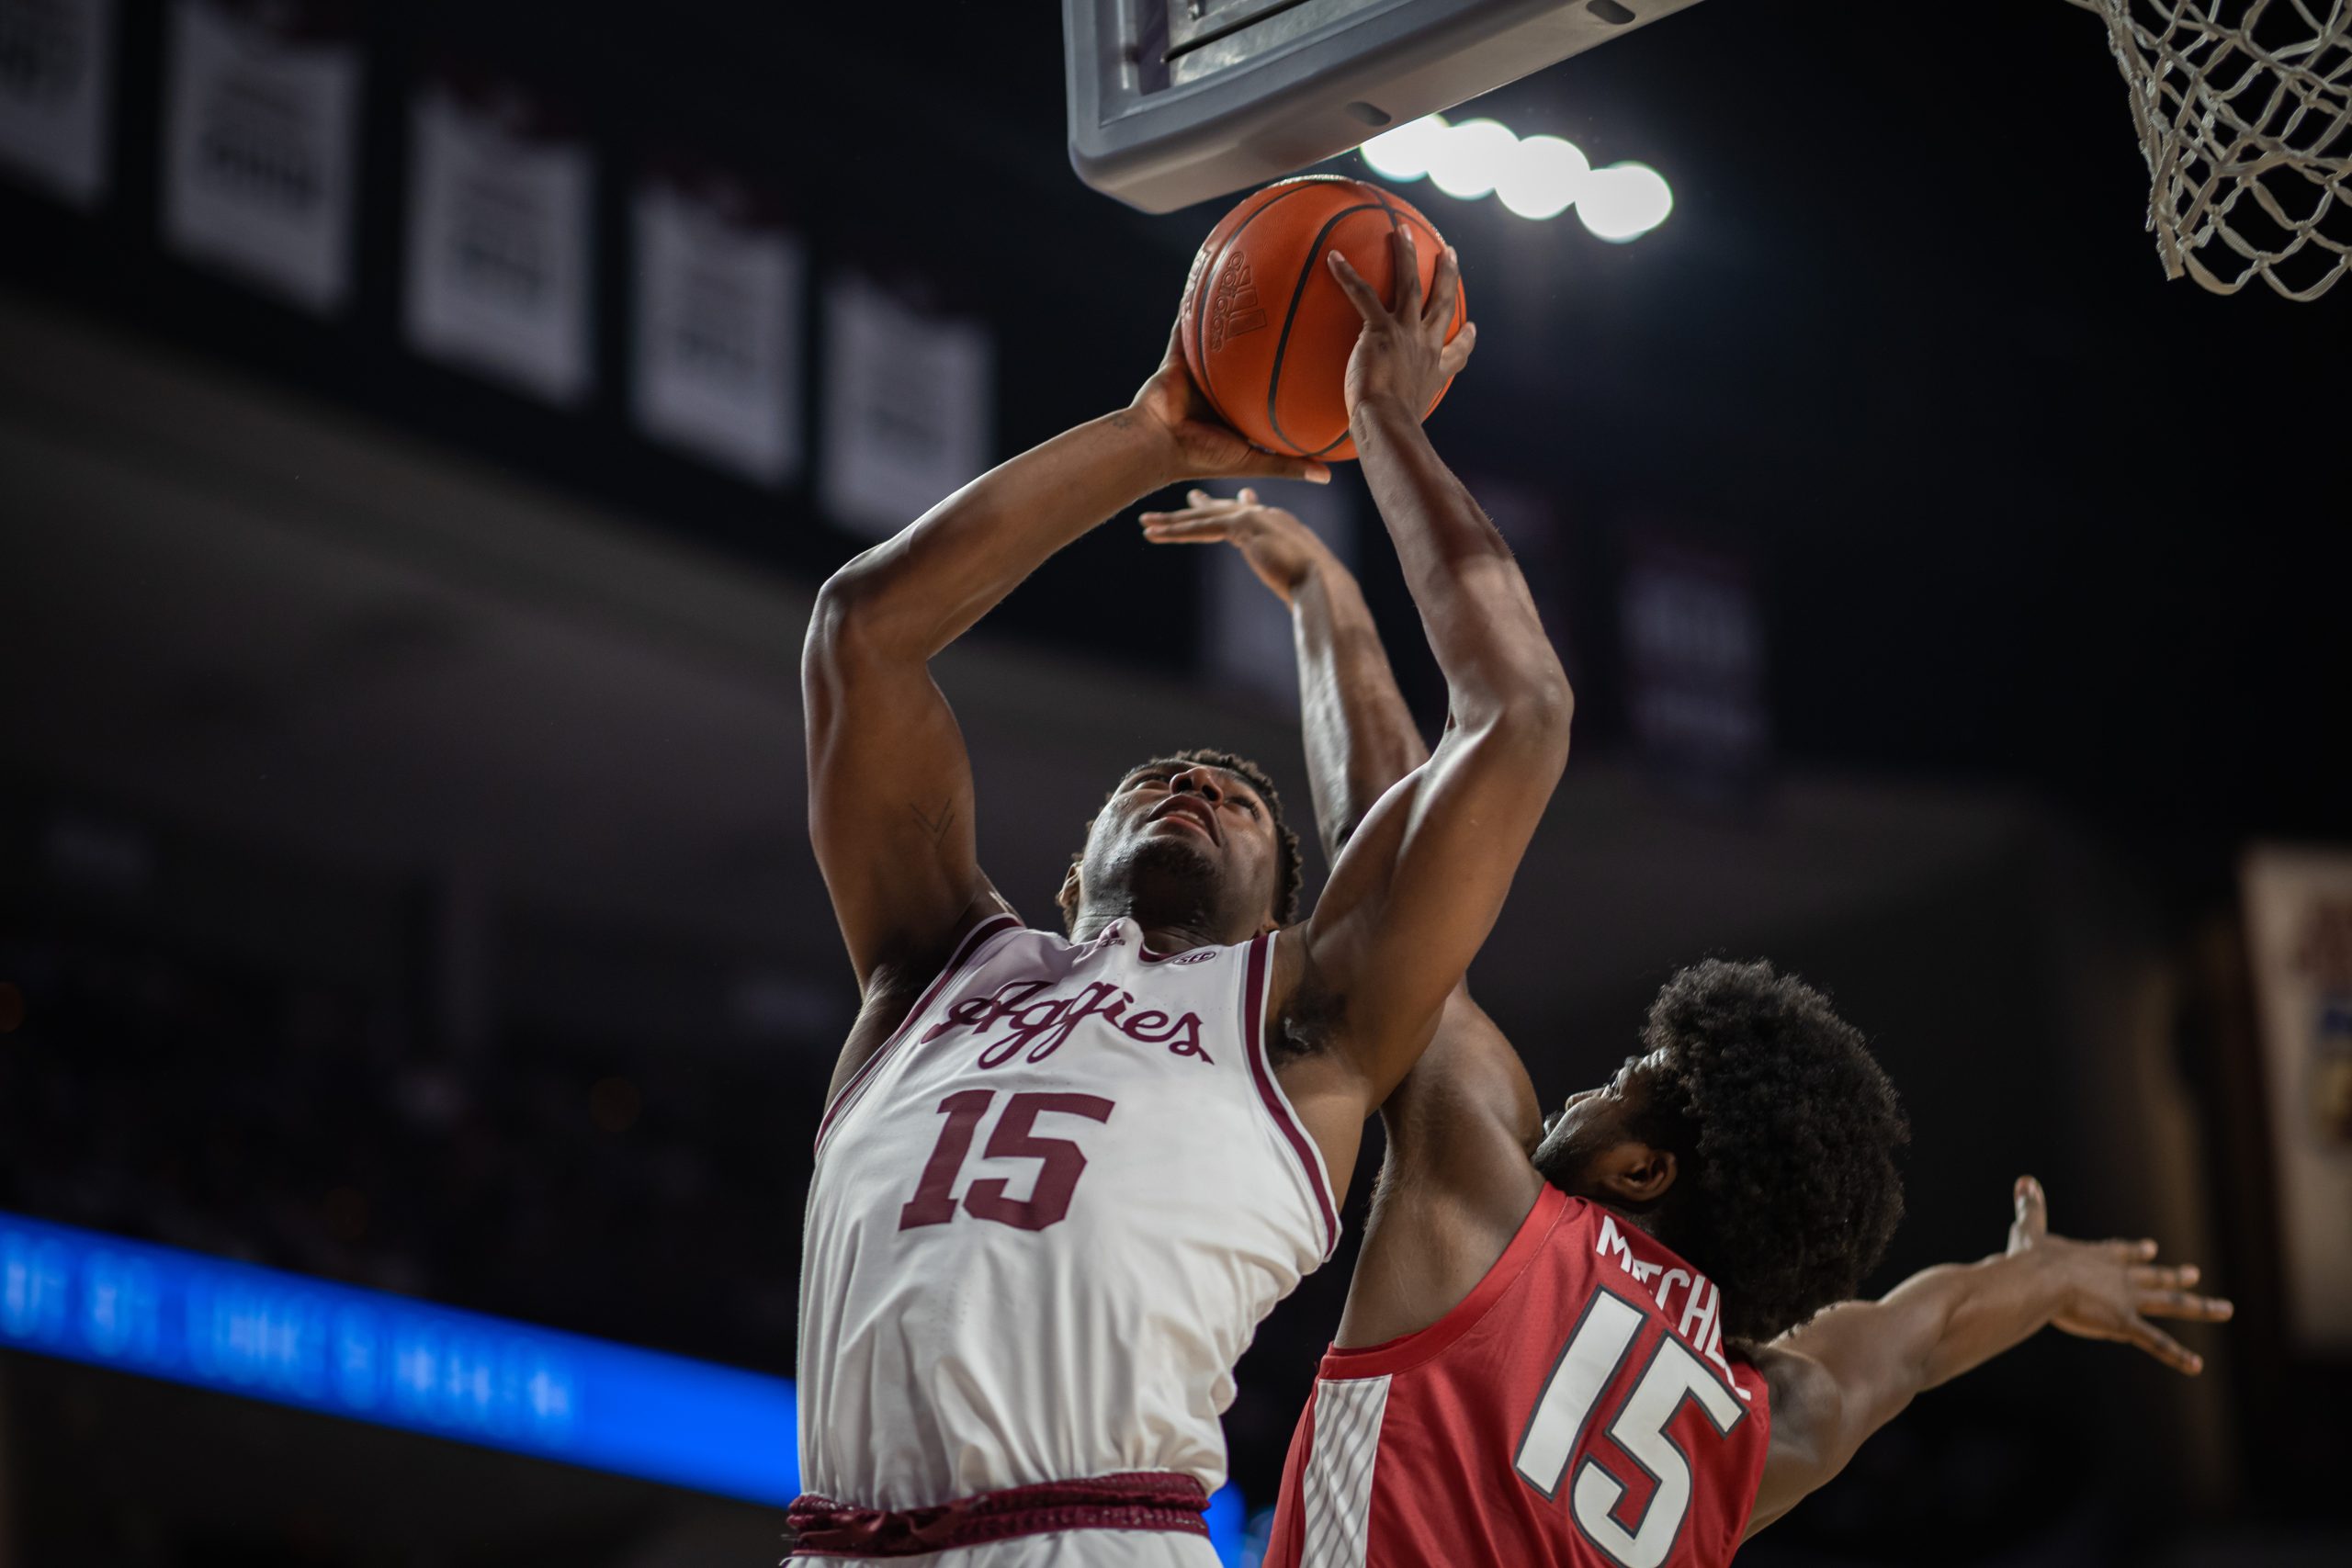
point(1150, 1500)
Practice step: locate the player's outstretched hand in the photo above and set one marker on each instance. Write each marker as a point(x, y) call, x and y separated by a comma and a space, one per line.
point(2110, 1289)
point(1203, 447)
point(1280, 549)
point(1403, 354)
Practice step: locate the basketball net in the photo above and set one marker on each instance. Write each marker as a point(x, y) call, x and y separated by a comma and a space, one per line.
point(2244, 110)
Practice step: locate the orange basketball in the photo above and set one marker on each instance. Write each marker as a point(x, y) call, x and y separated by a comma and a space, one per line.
point(1267, 330)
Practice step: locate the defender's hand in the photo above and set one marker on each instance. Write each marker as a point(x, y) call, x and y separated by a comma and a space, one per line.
point(2112, 1288)
point(1201, 446)
point(1280, 549)
point(1402, 354)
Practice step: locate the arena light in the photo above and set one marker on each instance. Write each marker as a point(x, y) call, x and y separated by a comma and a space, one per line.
point(1543, 177)
point(1625, 201)
point(1537, 177)
point(1471, 157)
point(1403, 154)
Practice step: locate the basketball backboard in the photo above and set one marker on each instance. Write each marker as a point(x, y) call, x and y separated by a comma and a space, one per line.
point(1176, 101)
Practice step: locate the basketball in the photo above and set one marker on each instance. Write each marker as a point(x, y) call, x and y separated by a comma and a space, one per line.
point(1267, 330)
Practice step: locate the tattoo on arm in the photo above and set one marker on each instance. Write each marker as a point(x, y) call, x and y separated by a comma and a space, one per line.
point(935, 822)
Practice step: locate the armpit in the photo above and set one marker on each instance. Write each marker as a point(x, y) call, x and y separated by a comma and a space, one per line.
point(1311, 1023)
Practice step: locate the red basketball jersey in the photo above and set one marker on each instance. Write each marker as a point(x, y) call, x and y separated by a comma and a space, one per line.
point(1578, 1409)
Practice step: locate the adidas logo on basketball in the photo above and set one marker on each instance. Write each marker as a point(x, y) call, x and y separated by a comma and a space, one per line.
point(1234, 307)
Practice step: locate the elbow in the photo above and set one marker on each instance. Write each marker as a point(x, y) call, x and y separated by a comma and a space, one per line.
point(833, 626)
point(855, 616)
point(1533, 715)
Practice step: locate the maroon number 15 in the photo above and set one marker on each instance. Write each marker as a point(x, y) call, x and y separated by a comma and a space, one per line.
point(1060, 1161)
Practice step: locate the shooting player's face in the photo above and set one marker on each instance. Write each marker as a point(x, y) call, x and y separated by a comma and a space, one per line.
point(1187, 837)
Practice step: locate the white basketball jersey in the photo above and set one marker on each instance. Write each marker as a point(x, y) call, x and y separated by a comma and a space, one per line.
point(1047, 1218)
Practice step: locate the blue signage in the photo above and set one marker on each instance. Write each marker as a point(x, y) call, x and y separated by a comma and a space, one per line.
point(397, 1362)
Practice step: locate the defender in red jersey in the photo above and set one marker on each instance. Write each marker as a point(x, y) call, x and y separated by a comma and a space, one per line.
point(1599, 1340)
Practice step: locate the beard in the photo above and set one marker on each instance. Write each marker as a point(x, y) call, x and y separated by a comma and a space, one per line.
point(1173, 879)
point(1567, 1153)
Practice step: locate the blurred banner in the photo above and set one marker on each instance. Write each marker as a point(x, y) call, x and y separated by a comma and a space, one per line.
point(1692, 629)
point(56, 92)
point(718, 284)
point(369, 1357)
point(1244, 630)
point(500, 191)
point(260, 144)
point(908, 404)
point(2299, 933)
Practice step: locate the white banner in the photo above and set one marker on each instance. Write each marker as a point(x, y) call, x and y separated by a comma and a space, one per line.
point(260, 154)
point(909, 402)
point(498, 244)
point(717, 332)
point(1244, 630)
point(56, 91)
point(2298, 934)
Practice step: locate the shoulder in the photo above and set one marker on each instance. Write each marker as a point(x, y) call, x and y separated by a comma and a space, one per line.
point(906, 971)
point(904, 980)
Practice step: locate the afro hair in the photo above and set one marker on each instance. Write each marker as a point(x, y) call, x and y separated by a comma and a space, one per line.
point(1787, 1128)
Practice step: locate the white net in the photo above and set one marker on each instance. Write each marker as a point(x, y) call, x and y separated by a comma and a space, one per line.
point(2244, 110)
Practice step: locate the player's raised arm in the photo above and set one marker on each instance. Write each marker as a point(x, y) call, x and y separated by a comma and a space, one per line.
point(1853, 1368)
point(1461, 1123)
point(1361, 742)
point(1423, 879)
point(890, 789)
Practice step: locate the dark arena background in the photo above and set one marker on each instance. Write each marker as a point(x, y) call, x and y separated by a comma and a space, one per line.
point(424, 427)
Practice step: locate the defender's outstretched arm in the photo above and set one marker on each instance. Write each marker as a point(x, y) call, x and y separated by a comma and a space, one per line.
point(1361, 738)
point(890, 788)
point(1853, 1368)
point(1421, 880)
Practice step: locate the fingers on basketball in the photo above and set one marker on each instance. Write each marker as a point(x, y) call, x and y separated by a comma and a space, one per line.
point(1445, 289)
point(1409, 275)
point(1269, 465)
point(1358, 291)
point(1270, 344)
point(1456, 353)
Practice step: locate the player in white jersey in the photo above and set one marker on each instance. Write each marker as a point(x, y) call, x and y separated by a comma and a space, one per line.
point(1062, 1177)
